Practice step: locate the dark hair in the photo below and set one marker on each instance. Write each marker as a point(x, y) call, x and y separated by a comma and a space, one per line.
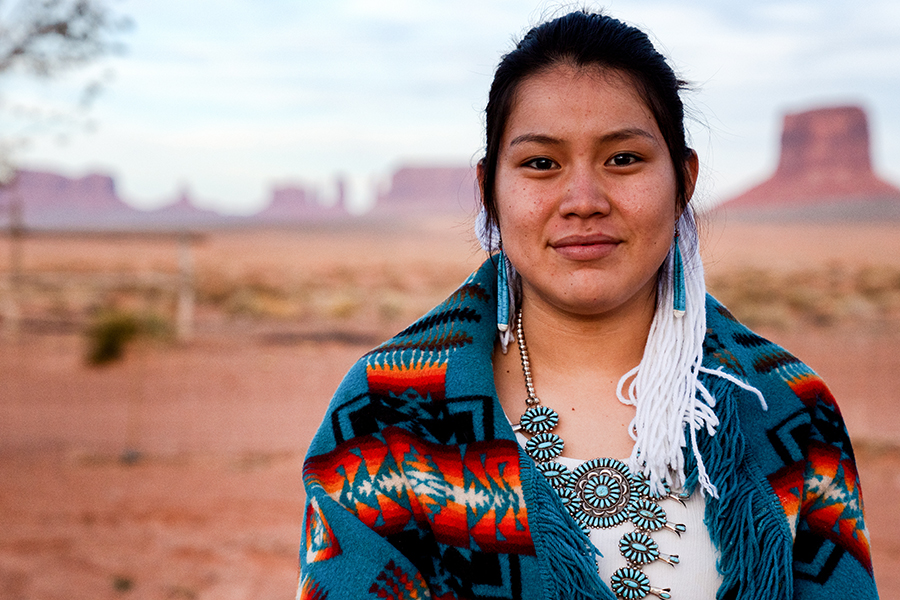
point(587, 39)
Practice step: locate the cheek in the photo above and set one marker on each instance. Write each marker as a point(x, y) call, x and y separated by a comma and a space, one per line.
point(516, 210)
point(655, 207)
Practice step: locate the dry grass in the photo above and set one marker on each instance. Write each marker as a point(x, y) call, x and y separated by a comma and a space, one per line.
point(833, 295)
point(338, 294)
point(323, 280)
point(769, 276)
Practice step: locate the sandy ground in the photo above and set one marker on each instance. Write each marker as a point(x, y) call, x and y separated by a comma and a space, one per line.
point(175, 473)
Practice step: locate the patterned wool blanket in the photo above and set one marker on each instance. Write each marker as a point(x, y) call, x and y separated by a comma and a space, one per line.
point(416, 487)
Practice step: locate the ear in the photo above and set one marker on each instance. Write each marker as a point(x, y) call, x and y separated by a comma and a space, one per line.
point(691, 171)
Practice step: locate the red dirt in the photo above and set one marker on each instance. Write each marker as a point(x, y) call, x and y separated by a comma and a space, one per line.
point(211, 507)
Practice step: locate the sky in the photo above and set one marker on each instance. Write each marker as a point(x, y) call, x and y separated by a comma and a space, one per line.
point(226, 98)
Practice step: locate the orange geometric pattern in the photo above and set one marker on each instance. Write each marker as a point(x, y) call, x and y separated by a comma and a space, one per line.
point(824, 492)
point(309, 590)
point(394, 584)
point(831, 501)
point(787, 483)
point(320, 541)
point(470, 496)
point(811, 390)
point(426, 379)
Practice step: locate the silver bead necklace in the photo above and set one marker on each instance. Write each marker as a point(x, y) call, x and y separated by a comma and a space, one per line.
point(600, 493)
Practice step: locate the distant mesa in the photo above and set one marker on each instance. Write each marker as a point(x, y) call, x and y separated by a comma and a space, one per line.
point(428, 190)
point(50, 200)
point(58, 201)
point(183, 212)
point(44, 191)
point(824, 172)
point(295, 203)
point(184, 205)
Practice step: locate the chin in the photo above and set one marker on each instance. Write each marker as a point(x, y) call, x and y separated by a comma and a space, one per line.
point(592, 307)
point(597, 305)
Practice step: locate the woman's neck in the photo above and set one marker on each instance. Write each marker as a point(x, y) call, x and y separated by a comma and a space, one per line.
point(576, 363)
point(611, 343)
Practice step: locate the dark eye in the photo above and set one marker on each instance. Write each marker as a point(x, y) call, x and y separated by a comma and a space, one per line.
point(623, 159)
point(541, 164)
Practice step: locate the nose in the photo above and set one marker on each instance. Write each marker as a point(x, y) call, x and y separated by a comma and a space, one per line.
point(586, 194)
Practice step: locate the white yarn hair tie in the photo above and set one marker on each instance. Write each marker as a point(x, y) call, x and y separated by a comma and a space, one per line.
point(664, 388)
point(487, 233)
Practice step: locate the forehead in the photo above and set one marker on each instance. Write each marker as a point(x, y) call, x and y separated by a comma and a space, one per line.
point(569, 98)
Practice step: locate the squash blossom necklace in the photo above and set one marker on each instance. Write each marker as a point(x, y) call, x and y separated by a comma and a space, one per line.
point(600, 493)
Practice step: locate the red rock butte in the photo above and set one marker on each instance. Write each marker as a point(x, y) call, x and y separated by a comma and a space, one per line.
point(825, 166)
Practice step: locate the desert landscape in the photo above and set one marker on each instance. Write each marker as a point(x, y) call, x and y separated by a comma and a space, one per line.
point(173, 471)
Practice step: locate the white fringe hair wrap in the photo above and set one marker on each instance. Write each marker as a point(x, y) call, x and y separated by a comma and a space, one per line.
point(664, 387)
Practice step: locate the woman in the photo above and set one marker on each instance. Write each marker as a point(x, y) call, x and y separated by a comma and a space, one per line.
point(637, 441)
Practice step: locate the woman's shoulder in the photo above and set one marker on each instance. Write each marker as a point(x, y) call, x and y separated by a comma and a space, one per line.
point(733, 347)
point(798, 403)
point(441, 356)
point(434, 336)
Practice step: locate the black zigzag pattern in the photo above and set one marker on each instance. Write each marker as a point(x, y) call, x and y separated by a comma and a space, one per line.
point(774, 360)
point(469, 290)
point(459, 420)
point(464, 572)
point(713, 347)
point(454, 314)
point(720, 308)
point(815, 557)
point(436, 344)
point(790, 436)
point(748, 339)
point(828, 428)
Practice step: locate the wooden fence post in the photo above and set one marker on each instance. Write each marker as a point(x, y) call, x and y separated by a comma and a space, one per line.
point(184, 328)
point(11, 313)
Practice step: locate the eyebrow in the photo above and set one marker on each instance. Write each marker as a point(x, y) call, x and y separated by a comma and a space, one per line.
point(613, 136)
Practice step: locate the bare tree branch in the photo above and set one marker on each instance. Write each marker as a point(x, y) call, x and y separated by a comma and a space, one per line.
point(46, 36)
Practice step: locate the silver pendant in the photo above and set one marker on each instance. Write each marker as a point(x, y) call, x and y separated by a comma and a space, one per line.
point(603, 490)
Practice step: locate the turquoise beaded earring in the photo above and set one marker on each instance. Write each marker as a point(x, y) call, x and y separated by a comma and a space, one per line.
point(502, 293)
point(679, 302)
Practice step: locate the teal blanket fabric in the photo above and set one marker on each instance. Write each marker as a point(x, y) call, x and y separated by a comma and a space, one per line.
point(416, 487)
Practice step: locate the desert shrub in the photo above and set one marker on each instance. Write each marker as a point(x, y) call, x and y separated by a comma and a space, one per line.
point(111, 331)
point(390, 306)
point(122, 583)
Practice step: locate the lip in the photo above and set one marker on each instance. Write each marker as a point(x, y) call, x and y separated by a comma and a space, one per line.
point(585, 246)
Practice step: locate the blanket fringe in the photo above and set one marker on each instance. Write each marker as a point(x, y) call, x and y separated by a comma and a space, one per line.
point(755, 559)
point(569, 556)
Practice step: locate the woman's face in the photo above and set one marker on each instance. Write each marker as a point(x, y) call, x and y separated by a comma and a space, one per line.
point(585, 192)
